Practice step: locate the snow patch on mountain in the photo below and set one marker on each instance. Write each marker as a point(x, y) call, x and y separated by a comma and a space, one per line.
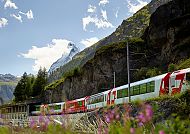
point(65, 58)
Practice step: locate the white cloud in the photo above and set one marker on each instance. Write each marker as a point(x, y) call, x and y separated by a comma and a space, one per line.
point(134, 8)
point(104, 14)
point(116, 13)
point(99, 23)
point(91, 9)
point(103, 2)
point(19, 18)
point(3, 22)
point(29, 14)
point(46, 56)
point(10, 4)
point(89, 42)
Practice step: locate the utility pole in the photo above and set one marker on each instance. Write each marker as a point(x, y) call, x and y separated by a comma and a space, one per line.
point(114, 80)
point(128, 71)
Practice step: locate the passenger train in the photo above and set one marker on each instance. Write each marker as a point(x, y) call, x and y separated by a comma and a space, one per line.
point(165, 84)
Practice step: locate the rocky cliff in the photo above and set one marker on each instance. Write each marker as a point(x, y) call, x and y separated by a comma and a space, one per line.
point(168, 33)
point(166, 40)
point(7, 85)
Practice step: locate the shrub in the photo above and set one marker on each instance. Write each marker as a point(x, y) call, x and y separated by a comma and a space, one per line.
point(172, 67)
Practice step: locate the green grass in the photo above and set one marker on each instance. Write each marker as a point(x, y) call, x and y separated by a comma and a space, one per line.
point(119, 45)
point(184, 64)
point(74, 72)
point(8, 83)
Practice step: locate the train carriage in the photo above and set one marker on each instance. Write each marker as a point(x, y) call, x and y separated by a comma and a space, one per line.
point(98, 100)
point(48, 109)
point(142, 90)
point(75, 106)
point(56, 108)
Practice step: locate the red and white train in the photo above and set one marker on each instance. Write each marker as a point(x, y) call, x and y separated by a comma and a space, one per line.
point(165, 84)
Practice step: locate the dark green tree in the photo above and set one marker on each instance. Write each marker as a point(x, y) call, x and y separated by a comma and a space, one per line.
point(24, 88)
point(40, 82)
point(29, 85)
point(20, 90)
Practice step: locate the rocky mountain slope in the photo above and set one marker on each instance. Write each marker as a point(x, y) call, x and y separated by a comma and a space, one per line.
point(166, 40)
point(131, 27)
point(7, 85)
point(64, 59)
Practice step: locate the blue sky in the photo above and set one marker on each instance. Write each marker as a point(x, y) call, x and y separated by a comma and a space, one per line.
point(35, 33)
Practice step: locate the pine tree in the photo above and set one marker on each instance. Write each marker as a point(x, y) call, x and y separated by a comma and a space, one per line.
point(20, 90)
point(40, 82)
point(29, 85)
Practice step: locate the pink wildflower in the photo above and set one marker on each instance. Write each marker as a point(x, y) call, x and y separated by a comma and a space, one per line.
point(148, 112)
point(117, 117)
point(141, 118)
point(161, 132)
point(132, 130)
point(108, 119)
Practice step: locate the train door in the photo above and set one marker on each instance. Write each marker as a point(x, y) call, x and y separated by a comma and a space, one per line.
point(63, 107)
point(176, 83)
point(108, 98)
point(113, 97)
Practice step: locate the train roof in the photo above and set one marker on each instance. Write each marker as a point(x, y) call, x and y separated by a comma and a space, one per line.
point(100, 94)
point(80, 99)
point(56, 103)
point(187, 70)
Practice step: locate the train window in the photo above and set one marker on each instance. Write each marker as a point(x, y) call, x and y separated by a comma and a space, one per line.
point(57, 107)
point(172, 80)
point(96, 99)
point(119, 94)
point(122, 93)
point(125, 93)
point(143, 88)
point(131, 91)
point(71, 105)
point(136, 90)
point(80, 103)
point(150, 86)
point(37, 108)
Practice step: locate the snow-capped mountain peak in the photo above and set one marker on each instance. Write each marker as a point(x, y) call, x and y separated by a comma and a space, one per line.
point(65, 58)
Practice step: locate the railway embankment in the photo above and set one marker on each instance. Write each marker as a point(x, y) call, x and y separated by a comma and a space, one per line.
point(165, 108)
